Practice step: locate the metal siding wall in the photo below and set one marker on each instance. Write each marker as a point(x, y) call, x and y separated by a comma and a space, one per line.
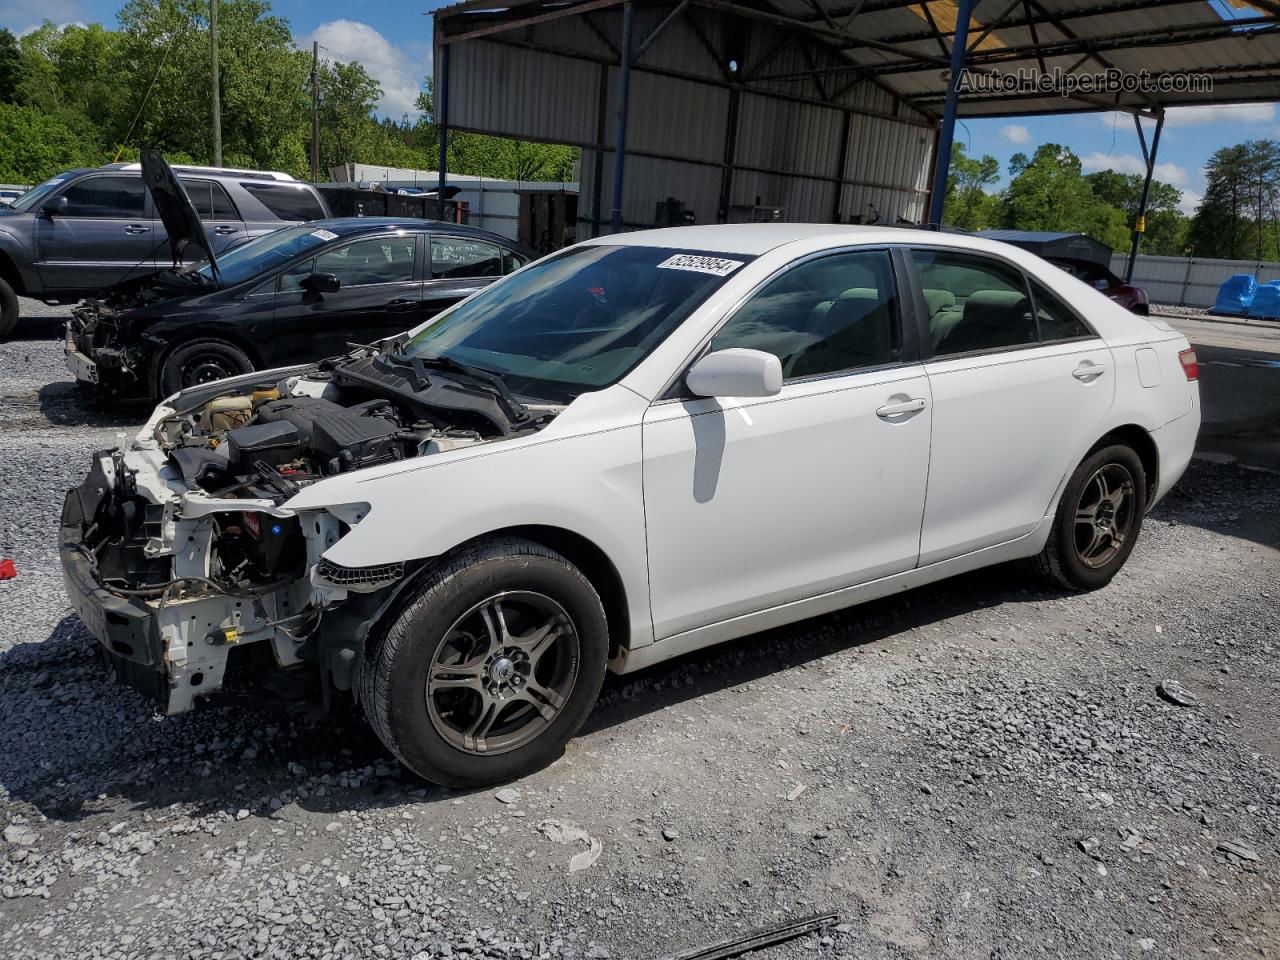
point(1189, 283)
point(556, 98)
point(781, 135)
point(673, 117)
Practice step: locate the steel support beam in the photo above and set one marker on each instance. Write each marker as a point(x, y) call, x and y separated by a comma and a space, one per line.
point(442, 126)
point(730, 154)
point(1140, 225)
point(942, 162)
point(624, 104)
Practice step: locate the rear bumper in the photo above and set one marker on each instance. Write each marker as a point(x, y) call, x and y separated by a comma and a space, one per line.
point(126, 628)
point(1175, 443)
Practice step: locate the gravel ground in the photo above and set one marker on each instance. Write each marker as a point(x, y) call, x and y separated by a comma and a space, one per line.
point(981, 769)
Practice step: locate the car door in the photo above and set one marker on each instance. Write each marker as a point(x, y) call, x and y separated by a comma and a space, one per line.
point(1020, 384)
point(102, 235)
point(379, 296)
point(222, 223)
point(459, 266)
point(752, 503)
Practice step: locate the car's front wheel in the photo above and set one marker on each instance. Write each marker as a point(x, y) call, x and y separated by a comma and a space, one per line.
point(198, 362)
point(8, 310)
point(1098, 520)
point(489, 667)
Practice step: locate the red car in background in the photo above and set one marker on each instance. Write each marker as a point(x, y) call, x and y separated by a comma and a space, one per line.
point(1100, 278)
point(1082, 257)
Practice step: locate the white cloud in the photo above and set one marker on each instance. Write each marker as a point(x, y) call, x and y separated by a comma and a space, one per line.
point(396, 72)
point(1131, 163)
point(1201, 116)
point(1016, 133)
point(1190, 200)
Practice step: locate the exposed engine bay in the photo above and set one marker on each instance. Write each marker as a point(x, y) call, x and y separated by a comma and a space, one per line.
point(182, 555)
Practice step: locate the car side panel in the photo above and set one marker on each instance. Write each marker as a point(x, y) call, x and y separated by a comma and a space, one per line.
point(582, 474)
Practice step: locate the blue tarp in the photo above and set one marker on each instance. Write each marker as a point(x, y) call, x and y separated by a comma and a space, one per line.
point(1236, 295)
point(1266, 301)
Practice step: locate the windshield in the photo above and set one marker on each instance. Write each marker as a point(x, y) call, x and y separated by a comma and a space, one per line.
point(36, 195)
point(578, 321)
point(262, 253)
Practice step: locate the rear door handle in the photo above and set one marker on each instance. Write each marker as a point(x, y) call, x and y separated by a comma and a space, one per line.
point(401, 303)
point(136, 228)
point(1089, 371)
point(904, 408)
point(224, 231)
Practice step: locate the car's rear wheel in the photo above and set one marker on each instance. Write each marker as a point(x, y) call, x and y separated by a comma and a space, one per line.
point(1098, 520)
point(198, 362)
point(489, 667)
point(8, 310)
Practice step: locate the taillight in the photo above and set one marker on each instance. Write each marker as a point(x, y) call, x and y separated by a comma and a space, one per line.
point(1190, 364)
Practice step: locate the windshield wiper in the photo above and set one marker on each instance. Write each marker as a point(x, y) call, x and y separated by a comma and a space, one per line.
point(515, 409)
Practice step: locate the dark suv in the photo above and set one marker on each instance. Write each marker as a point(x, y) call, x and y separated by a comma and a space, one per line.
point(85, 230)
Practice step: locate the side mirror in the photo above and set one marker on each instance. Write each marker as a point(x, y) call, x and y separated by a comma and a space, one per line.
point(736, 372)
point(58, 205)
point(321, 283)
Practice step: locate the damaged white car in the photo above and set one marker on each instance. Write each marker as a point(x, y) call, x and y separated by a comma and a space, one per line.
point(629, 450)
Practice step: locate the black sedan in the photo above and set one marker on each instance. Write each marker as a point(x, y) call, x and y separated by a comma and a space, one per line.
point(299, 294)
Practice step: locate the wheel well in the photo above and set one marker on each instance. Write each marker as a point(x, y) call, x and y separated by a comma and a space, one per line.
point(9, 274)
point(158, 359)
point(1139, 440)
point(595, 566)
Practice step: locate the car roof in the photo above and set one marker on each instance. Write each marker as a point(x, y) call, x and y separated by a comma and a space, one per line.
point(349, 226)
point(754, 239)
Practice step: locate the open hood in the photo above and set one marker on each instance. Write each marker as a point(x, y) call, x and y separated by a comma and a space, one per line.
point(181, 222)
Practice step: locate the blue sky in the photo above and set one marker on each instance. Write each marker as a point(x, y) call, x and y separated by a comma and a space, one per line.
point(393, 41)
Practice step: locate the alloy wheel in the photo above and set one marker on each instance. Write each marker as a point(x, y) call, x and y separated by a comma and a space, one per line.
point(1104, 515)
point(503, 673)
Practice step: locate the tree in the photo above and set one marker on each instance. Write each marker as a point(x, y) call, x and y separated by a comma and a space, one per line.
point(1049, 192)
point(10, 66)
point(1166, 233)
point(34, 145)
point(1220, 227)
point(969, 206)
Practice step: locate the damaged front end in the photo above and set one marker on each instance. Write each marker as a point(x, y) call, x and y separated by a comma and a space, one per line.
point(183, 556)
point(103, 346)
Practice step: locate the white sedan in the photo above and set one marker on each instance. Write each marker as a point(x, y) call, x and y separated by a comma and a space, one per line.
point(637, 447)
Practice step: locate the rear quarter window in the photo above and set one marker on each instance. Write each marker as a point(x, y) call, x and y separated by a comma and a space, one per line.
point(287, 201)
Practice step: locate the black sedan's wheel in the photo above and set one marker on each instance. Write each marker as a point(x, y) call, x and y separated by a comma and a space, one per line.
point(8, 310)
point(490, 667)
point(1098, 520)
point(198, 362)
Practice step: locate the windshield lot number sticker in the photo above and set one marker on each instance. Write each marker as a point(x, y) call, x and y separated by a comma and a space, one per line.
point(717, 266)
point(324, 235)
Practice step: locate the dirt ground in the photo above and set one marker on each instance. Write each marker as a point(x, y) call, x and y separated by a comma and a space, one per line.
point(980, 769)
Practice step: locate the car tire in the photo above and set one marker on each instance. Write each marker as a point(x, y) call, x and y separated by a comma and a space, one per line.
point(1098, 520)
point(8, 310)
point(199, 361)
point(487, 668)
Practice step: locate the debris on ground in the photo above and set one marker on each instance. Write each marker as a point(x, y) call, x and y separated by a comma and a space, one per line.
point(1176, 693)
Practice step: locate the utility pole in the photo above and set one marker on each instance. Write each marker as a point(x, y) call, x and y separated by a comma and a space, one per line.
point(217, 96)
point(315, 111)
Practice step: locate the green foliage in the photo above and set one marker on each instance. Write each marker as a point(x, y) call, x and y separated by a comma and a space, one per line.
point(969, 205)
point(1167, 227)
point(1240, 213)
point(35, 145)
point(96, 93)
point(10, 66)
point(1049, 192)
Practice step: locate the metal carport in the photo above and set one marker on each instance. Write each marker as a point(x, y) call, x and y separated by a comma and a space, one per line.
point(829, 110)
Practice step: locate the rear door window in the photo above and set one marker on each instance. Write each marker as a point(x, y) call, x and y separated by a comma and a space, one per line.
point(974, 303)
point(210, 200)
point(460, 258)
point(119, 198)
point(287, 201)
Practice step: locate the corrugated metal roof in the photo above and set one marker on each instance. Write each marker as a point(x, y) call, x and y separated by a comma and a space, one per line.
point(900, 48)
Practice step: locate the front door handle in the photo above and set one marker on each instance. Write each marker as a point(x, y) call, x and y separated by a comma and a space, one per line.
point(136, 228)
point(1089, 371)
point(401, 303)
point(905, 408)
